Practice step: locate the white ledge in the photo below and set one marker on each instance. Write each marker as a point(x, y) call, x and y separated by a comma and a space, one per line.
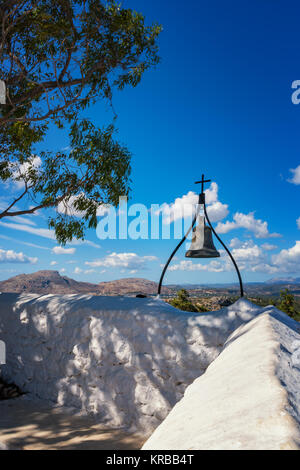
point(248, 398)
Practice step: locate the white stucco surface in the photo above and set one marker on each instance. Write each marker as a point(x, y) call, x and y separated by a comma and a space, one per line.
point(125, 360)
point(249, 397)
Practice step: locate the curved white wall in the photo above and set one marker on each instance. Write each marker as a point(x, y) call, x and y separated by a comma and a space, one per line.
point(249, 397)
point(126, 360)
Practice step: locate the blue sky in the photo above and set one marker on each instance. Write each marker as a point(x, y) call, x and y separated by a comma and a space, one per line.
point(219, 103)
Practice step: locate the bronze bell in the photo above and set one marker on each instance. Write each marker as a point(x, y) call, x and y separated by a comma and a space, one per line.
point(202, 245)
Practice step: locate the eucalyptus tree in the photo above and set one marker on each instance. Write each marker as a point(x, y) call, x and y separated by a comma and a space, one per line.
point(57, 57)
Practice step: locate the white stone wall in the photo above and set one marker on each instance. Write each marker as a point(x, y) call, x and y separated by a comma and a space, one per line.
point(249, 397)
point(125, 360)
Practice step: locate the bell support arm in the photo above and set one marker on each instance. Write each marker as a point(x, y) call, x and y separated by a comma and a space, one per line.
point(227, 250)
point(177, 248)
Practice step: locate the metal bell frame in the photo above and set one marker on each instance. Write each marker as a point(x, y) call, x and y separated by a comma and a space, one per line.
point(201, 201)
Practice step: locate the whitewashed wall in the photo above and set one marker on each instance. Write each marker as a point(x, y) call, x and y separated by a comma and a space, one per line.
point(126, 360)
point(248, 398)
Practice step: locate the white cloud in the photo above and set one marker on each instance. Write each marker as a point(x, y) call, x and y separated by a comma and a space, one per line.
point(217, 211)
point(235, 243)
point(188, 265)
point(41, 232)
point(288, 260)
point(247, 221)
point(67, 207)
point(10, 256)
point(32, 245)
point(225, 227)
point(264, 268)
point(130, 261)
point(184, 206)
point(84, 242)
point(248, 251)
point(211, 194)
point(59, 250)
point(249, 256)
point(22, 172)
point(268, 246)
point(296, 175)
point(53, 263)
point(298, 222)
point(253, 258)
point(45, 233)
point(77, 270)
point(23, 220)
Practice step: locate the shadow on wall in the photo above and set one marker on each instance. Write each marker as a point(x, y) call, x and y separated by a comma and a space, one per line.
point(125, 360)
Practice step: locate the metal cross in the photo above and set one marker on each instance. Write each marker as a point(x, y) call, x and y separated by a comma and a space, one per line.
point(202, 183)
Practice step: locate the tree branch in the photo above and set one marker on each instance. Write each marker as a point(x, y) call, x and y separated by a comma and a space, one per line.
point(4, 213)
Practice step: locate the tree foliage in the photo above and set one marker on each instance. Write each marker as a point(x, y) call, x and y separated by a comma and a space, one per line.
point(287, 304)
point(56, 58)
point(182, 302)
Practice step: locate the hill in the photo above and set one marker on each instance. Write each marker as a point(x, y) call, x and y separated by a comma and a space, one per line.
point(134, 285)
point(51, 282)
point(287, 280)
point(47, 282)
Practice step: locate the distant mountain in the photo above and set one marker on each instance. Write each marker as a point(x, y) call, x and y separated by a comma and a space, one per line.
point(132, 286)
point(47, 282)
point(287, 280)
point(51, 282)
point(269, 282)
